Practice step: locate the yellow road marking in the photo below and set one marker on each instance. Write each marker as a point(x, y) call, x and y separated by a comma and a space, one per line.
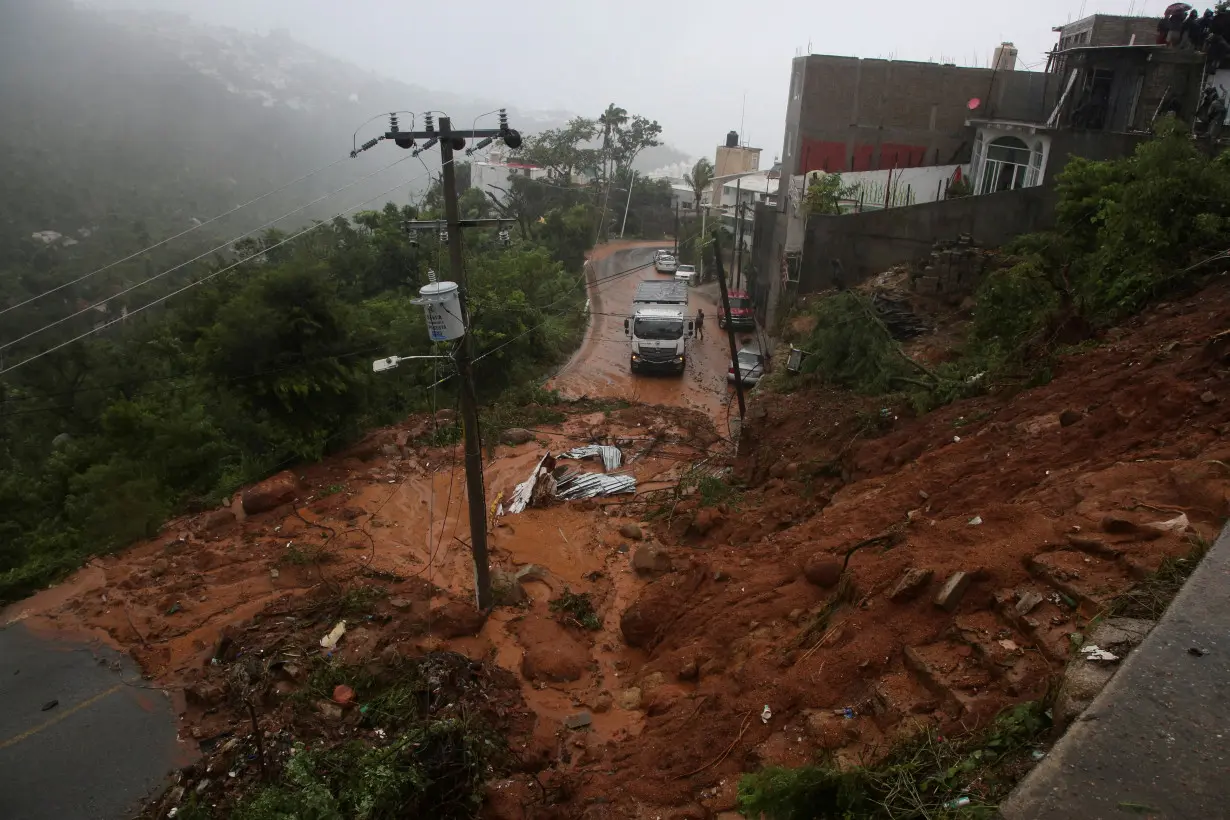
point(66, 713)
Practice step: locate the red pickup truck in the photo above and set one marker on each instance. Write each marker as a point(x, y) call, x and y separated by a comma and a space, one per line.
point(741, 316)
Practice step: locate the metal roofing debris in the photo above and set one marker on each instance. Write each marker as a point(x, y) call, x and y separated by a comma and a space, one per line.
point(612, 458)
point(525, 490)
point(573, 485)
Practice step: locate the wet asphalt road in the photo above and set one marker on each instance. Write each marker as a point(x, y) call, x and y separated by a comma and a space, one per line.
point(97, 754)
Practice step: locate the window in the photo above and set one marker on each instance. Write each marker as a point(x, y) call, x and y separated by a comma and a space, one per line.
point(1007, 166)
point(976, 161)
point(1034, 177)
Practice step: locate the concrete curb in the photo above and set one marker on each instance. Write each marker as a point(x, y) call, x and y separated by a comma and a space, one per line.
point(1156, 741)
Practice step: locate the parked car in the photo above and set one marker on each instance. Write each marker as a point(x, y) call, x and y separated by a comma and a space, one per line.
point(751, 366)
point(741, 315)
point(685, 273)
point(665, 263)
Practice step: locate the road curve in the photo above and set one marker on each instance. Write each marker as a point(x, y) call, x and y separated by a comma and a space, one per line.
point(600, 366)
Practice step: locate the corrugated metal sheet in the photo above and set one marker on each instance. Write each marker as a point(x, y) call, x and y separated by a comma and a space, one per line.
point(574, 484)
point(612, 458)
point(525, 490)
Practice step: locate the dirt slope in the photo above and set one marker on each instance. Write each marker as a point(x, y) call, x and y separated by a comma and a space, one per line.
point(716, 604)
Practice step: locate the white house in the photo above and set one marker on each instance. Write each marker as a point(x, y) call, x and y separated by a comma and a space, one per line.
point(492, 175)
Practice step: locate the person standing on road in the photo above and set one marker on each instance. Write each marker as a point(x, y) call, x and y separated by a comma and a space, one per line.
point(700, 324)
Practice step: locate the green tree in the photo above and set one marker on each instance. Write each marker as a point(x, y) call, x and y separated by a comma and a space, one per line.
point(700, 179)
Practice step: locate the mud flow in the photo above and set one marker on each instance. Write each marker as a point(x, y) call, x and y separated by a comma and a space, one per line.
point(861, 572)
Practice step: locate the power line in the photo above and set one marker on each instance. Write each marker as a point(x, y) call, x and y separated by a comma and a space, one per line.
point(197, 258)
point(204, 279)
point(196, 227)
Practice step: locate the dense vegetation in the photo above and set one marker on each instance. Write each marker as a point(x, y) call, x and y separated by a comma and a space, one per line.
point(264, 365)
point(1128, 232)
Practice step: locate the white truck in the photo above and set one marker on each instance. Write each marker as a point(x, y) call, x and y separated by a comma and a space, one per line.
point(660, 326)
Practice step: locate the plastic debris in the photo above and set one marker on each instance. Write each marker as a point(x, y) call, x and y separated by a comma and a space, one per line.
point(848, 713)
point(329, 641)
point(766, 715)
point(1093, 652)
point(1037, 754)
point(1176, 525)
point(956, 439)
point(175, 607)
point(975, 521)
point(958, 803)
point(611, 457)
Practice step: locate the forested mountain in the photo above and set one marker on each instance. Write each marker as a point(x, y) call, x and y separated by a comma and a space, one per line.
point(140, 122)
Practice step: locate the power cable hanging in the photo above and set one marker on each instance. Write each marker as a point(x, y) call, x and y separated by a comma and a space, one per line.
point(204, 279)
point(149, 248)
point(197, 258)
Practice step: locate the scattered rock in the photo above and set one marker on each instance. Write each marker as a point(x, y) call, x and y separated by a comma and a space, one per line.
point(706, 520)
point(1084, 679)
point(401, 604)
point(910, 584)
point(822, 570)
point(578, 721)
point(721, 576)
point(602, 703)
point(630, 698)
point(1069, 417)
point(205, 694)
point(631, 531)
point(455, 619)
point(343, 695)
point(506, 589)
point(329, 709)
point(216, 519)
point(446, 416)
point(1208, 397)
point(651, 559)
point(270, 493)
point(1118, 525)
point(689, 671)
point(532, 572)
point(1027, 603)
point(953, 590)
point(517, 435)
point(640, 622)
point(778, 470)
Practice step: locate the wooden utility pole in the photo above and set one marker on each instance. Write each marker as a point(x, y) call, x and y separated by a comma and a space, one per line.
point(475, 492)
point(450, 141)
point(676, 230)
point(730, 330)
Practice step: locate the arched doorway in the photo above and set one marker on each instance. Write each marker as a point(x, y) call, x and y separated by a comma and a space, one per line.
point(1006, 167)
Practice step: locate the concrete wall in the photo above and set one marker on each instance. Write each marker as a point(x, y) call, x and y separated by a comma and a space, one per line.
point(869, 243)
point(1094, 145)
point(847, 114)
point(1108, 30)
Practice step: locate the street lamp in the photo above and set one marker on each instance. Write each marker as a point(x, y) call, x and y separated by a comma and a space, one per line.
point(390, 362)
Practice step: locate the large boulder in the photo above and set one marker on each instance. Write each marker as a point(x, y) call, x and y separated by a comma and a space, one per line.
point(643, 622)
point(823, 570)
point(270, 493)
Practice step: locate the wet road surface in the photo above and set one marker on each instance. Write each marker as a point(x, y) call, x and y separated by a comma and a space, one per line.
point(600, 367)
point(99, 751)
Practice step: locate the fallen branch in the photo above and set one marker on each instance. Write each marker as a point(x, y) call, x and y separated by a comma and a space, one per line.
point(722, 756)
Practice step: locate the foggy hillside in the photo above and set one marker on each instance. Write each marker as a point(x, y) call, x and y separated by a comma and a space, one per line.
point(115, 118)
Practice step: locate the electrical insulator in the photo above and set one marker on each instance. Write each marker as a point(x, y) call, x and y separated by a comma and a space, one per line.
point(443, 236)
point(505, 239)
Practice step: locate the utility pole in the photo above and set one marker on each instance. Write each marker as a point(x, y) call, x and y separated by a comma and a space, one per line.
point(450, 141)
point(730, 330)
point(736, 261)
point(627, 205)
point(676, 230)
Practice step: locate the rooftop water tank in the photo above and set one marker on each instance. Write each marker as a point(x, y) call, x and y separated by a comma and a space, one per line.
point(732, 139)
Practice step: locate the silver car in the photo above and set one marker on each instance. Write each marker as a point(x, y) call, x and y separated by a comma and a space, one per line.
point(751, 366)
point(686, 273)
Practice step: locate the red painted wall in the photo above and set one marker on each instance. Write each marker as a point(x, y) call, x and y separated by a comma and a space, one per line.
point(818, 155)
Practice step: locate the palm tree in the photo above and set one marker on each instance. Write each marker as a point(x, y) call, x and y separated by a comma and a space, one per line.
point(611, 121)
point(700, 178)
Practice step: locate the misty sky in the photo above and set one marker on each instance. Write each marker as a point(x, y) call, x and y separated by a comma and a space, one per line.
point(685, 63)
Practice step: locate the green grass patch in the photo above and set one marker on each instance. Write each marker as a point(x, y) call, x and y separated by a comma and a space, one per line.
point(924, 777)
point(578, 608)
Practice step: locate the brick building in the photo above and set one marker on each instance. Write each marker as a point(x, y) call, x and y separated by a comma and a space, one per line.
point(1107, 30)
point(851, 114)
